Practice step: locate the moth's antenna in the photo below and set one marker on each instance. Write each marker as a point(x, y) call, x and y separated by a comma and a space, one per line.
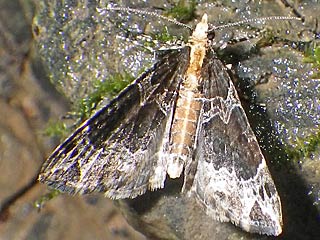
point(228, 25)
point(153, 14)
point(253, 20)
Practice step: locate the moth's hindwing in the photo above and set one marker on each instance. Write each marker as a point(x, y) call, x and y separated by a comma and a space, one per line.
point(118, 150)
point(232, 179)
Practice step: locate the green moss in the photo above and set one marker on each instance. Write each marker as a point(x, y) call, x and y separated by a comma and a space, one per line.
point(85, 106)
point(164, 36)
point(101, 89)
point(305, 147)
point(183, 11)
point(266, 38)
point(45, 198)
point(56, 129)
point(312, 55)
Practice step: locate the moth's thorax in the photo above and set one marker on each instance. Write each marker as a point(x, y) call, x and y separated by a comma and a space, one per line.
point(198, 46)
point(185, 121)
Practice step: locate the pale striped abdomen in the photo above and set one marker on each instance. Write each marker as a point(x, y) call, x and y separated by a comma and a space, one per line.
point(183, 131)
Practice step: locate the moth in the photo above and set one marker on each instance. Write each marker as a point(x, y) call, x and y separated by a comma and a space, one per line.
point(180, 118)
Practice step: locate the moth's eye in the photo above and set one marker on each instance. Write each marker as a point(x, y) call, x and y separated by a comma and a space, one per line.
point(211, 35)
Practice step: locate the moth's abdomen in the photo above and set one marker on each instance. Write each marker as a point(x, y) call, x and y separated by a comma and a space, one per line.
point(183, 131)
point(185, 120)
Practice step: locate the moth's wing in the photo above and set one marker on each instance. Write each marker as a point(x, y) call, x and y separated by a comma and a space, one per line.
point(118, 150)
point(232, 180)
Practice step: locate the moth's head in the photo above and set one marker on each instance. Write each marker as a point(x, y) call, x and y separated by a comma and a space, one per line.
point(201, 29)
